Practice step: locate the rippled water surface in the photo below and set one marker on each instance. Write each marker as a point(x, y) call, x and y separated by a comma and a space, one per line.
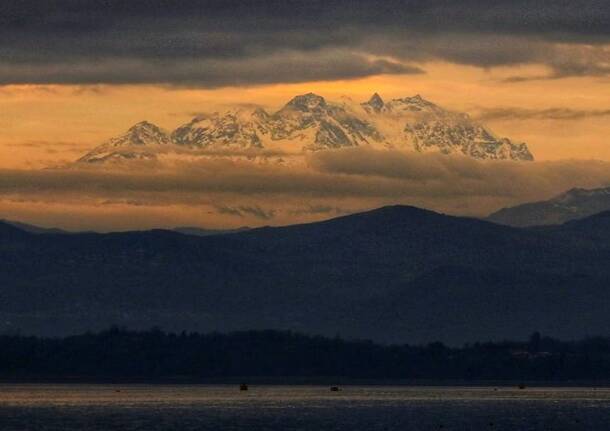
point(142, 407)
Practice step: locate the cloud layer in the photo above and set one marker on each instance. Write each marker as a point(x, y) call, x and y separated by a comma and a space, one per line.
point(220, 193)
point(559, 114)
point(237, 42)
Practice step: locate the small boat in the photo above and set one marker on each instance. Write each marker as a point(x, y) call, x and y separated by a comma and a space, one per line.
point(243, 387)
point(334, 388)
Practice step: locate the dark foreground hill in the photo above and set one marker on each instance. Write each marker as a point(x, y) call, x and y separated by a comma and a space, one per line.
point(396, 274)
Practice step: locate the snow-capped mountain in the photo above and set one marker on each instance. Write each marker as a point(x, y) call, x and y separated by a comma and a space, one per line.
point(140, 142)
point(236, 129)
point(430, 127)
point(310, 123)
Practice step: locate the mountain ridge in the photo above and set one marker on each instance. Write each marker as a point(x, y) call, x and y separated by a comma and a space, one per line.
point(394, 274)
point(309, 123)
point(573, 204)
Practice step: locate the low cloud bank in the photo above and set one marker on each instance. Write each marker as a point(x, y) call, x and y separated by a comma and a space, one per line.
point(553, 114)
point(223, 193)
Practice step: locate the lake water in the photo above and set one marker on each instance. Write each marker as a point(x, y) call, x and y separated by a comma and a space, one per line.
point(210, 407)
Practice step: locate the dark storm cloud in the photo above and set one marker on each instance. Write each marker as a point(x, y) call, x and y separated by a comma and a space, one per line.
point(230, 42)
point(280, 67)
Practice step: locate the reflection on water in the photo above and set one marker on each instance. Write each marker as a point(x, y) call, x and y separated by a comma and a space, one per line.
point(142, 407)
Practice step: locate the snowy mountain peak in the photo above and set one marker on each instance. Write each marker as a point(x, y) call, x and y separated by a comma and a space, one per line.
point(415, 104)
point(576, 194)
point(309, 123)
point(307, 102)
point(375, 102)
point(134, 144)
point(143, 125)
point(144, 133)
point(232, 129)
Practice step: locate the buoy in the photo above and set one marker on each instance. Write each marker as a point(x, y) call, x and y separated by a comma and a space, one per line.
point(243, 387)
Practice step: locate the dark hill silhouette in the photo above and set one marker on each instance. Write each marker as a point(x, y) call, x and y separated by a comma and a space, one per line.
point(593, 230)
point(395, 274)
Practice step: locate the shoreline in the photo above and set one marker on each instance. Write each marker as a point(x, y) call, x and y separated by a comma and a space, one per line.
point(316, 381)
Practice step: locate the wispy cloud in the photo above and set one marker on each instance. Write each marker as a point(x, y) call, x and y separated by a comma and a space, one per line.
point(46, 144)
point(335, 182)
point(243, 210)
point(560, 114)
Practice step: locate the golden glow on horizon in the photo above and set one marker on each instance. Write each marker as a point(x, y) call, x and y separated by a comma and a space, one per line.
point(42, 125)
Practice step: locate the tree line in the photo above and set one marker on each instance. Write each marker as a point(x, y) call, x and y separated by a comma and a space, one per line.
point(122, 354)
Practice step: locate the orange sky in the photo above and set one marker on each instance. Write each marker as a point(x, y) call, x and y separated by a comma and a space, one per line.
point(45, 125)
point(75, 76)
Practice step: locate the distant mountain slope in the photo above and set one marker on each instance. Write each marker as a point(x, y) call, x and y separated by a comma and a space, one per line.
point(571, 205)
point(308, 123)
point(32, 228)
point(186, 230)
point(396, 274)
point(198, 231)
